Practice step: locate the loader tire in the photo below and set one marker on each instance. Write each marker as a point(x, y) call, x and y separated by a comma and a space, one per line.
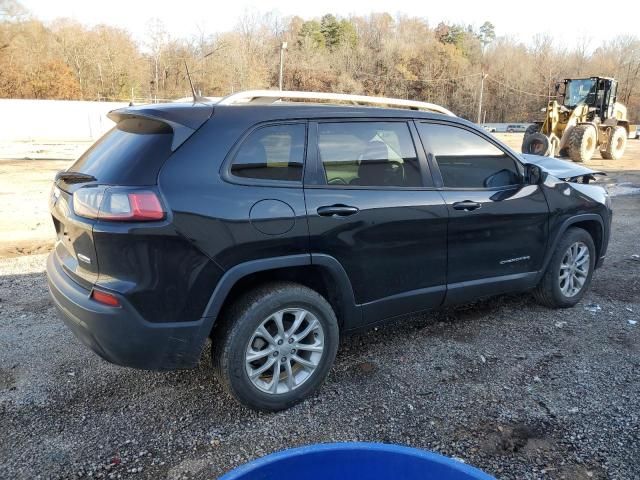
point(582, 143)
point(616, 144)
point(531, 129)
point(537, 144)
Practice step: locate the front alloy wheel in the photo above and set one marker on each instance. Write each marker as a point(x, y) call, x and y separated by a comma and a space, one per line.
point(569, 270)
point(574, 269)
point(284, 351)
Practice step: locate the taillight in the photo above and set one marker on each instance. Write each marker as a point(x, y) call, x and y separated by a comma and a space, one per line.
point(105, 298)
point(117, 204)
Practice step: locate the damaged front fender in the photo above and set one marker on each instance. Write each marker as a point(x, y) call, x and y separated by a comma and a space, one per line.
point(562, 169)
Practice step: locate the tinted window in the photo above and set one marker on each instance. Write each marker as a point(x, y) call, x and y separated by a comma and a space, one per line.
point(379, 154)
point(275, 152)
point(129, 154)
point(467, 160)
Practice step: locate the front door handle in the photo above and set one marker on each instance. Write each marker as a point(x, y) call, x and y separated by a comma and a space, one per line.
point(466, 205)
point(337, 210)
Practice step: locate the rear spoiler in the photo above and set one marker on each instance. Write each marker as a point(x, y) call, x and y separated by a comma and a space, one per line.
point(184, 119)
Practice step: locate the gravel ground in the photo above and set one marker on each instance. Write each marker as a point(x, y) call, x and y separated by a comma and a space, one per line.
point(518, 390)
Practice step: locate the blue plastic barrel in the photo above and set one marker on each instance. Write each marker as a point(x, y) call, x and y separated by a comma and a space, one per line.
point(355, 461)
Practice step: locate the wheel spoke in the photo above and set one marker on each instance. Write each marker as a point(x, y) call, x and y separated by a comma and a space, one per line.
point(253, 355)
point(267, 365)
point(291, 381)
point(580, 272)
point(262, 332)
point(299, 317)
point(302, 361)
point(312, 325)
point(582, 251)
point(277, 318)
point(316, 347)
point(276, 379)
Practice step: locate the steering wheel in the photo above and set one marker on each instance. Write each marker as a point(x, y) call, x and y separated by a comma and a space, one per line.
point(337, 181)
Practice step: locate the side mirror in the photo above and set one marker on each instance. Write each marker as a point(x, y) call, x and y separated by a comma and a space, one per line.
point(534, 175)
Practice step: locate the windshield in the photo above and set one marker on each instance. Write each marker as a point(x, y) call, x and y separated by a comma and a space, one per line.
point(580, 91)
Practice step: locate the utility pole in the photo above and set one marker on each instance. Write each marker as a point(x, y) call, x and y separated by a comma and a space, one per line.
point(283, 47)
point(482, 77)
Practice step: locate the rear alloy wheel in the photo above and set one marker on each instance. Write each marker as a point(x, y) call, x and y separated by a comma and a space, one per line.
point(616, 145)
point(284, 350)
point(568, 274)
point(275, 345)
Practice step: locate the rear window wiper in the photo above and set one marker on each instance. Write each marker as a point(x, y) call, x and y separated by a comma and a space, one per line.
point(75, 177)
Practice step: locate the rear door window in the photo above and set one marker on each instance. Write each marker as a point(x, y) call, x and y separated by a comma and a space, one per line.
point(467, 160)
point(273, 152)
point(131, 153)
point(371, 154)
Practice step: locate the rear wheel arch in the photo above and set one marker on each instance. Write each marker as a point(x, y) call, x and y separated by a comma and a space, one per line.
point(325, 276)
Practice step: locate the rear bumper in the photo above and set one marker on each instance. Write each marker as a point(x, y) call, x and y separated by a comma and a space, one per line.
point(120, 335)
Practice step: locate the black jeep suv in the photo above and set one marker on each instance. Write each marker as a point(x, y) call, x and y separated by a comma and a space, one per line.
point(274, 229)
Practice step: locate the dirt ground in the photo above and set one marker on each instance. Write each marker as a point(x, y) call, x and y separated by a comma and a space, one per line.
point(521, 391)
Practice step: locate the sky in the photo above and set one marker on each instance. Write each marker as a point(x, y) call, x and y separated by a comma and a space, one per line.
point(573, 21)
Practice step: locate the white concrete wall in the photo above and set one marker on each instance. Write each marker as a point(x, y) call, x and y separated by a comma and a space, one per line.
point(54, 120)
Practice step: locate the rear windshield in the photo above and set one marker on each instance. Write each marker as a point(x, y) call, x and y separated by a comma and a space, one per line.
point(129, 154)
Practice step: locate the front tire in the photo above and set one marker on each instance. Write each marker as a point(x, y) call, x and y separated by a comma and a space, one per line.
point(275, 346)
point(582, 143)
point(569, 272)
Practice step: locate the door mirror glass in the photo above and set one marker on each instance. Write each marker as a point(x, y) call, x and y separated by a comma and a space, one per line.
point(534, 174)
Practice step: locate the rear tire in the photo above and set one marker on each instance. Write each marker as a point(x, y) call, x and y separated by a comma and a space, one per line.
point(582, 143)
point(554, 288)
point(537, 144)
point(616, 145)
point(531, 129)
point(293, 366)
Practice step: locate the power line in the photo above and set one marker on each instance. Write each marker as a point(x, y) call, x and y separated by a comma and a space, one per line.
point(518, 90)
point(432, 80)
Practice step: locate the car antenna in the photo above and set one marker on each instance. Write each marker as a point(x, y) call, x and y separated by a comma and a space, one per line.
point(196, 98)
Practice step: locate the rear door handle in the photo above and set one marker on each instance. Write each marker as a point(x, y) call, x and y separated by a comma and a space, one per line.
point(337, 210)
point(466, 205)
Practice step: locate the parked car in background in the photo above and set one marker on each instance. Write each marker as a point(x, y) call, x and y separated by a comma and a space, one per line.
point(489, 129)
point(516, 128)
point(274, 228)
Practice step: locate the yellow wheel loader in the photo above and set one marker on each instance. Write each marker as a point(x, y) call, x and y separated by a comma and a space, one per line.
point(583, 117)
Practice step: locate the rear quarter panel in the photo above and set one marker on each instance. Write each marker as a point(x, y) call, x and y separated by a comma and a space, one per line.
point(212, 213)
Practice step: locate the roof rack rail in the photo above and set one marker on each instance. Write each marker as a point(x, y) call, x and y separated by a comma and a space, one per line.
point(262, 97)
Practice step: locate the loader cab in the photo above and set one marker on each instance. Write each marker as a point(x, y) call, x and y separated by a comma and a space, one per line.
point(597, 92)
